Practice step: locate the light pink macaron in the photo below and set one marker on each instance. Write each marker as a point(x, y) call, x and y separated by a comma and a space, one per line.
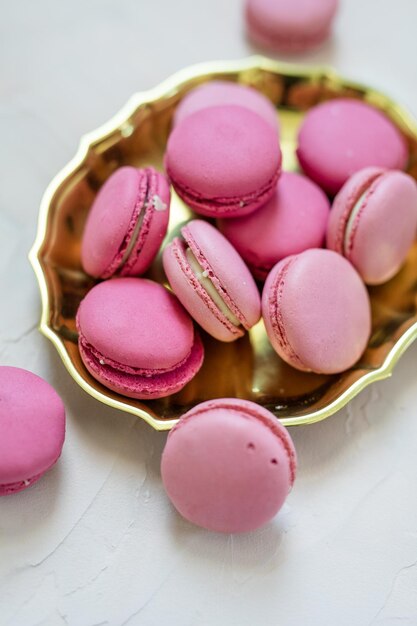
point(289, 25)
point(221, 92)
point(317, 312)
point(136, 339)
point(293, 220)
point(339, 137)
point(373, 222)
point(223, 161)
point(32, 429)
point(126, 223)
point(212, 282)
point(228, 465)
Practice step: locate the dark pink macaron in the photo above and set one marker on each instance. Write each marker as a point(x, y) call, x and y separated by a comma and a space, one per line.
point(340, 137)
point(289, 25)
point(136, 338)
point(373, 222)
point(126, 224)
point(32, 429)
point(293, 220)
point(212, 281)
point(223, 161)
point(317, 312)
point(228, 465)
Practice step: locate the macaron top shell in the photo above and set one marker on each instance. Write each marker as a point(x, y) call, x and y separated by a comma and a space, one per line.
point(290, 25)
point(126, 223)
point(228, 465)
point(223, 160)
point(373, 222)
point(223, 92)
point(137, 323)
point(32, 425)
point(294, 219)
point(342, 136)
point(317, 311)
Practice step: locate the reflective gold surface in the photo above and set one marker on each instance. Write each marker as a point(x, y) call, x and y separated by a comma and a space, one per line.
point(248, 368)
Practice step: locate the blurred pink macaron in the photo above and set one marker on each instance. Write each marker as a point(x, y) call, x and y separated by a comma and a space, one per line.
point(293, 220)
point(32, 429)
point(223, 161)
point(373, 222)
point(317, 312)
point(228, 465)
point(289, 25)
point(136, 339)
point(340, 137)
point(126, 223)
point(221, 92)
point(212, 282)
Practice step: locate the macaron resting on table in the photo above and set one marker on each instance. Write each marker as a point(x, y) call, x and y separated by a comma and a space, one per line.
point(223, 161)
point(289, 25)
point(211, 280)
point(317, 312)
point(136, 338)
point(293, 220)
point(341, 136)
point(228, 465)
point(373, 222)
point(127, 223)
point(32, 429)
point(221, 92)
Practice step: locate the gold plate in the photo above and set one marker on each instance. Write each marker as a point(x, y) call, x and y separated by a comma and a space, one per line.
point(247, 368)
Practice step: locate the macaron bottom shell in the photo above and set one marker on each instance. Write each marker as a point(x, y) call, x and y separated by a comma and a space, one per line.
point(10, 489)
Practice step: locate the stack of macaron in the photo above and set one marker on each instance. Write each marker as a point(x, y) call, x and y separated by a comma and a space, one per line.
point(257, 248)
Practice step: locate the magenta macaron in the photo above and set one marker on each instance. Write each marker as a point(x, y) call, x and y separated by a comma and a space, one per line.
point(317, 312)
point(228, 465)
point(126, 223)
point(339, 137)
point(223, 161)
point(293, 220)
point(32, 429)
point(212, 282)
point(136, 338)
point(373, 222)
point(289, 25)
point(223, 92)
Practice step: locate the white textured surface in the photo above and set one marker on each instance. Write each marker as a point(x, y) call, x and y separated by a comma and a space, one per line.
point(96, 542)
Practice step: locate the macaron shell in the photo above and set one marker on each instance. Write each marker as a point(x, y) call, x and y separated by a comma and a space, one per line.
point(317, 313)
point(385, 228)
point(292, 25)
point(136, 322)
point(32, 428)
point(223, 160)
point(222, 92)
point(154, 226)
point(293, 220)
point(233, 483)
point(342, 136)
point(194, 297)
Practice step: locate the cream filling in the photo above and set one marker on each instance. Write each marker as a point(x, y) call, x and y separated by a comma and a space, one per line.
point(208, 286)
point(133, 239)
point(352, 217)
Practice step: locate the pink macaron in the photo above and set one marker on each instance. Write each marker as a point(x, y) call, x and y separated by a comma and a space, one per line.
point(32, 429)
point(223, 92)
point(289, 25)
point(126, 223)
point(228, 465)
point(317, 312)
point(373, 222)
point(293, 220)
point(136, 338)
point(212, 282)
point(223, 161)
point(340, 137)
